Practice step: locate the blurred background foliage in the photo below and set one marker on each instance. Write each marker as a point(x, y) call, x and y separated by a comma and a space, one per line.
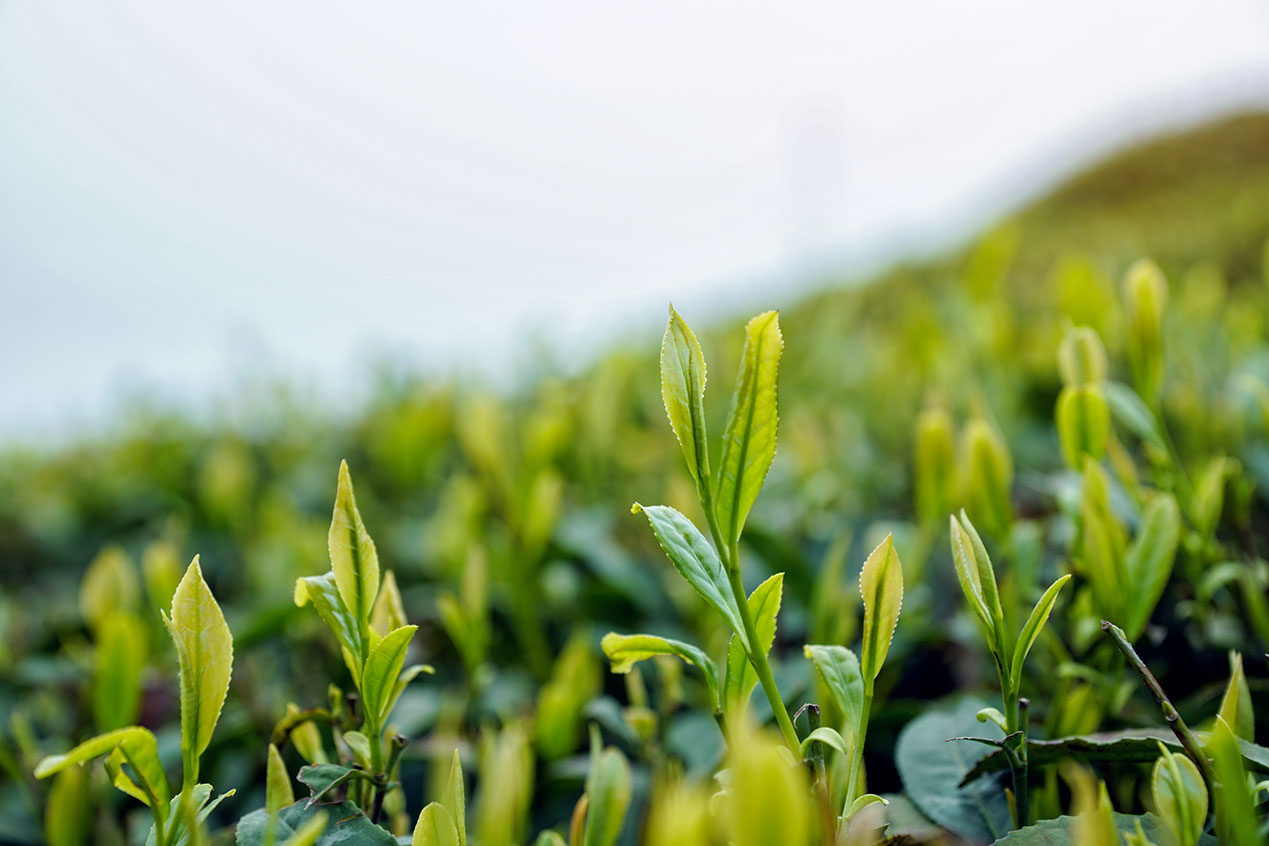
point(504, 515)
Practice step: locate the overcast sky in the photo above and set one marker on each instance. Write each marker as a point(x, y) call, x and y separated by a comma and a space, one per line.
point(193, 191)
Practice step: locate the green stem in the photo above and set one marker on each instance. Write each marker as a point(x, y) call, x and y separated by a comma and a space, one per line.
point(1021, 772)
point(857, 753)
point(1188, 741)
point(828, 822)
point(758, 658)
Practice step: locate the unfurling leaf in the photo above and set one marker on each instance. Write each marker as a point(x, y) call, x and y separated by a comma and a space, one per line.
point(1145, 297)
point(624, 651)
point(838, 669)
point(978, 582)
point(205, 651)
point(749, 441)
point(1180, 796)
point(389, 612)
point(934, 465)
point(881, 586)
point(352, 553)
point(383, 667)
point(435, 827)
point(278, 790)
point(1081, 357)
point(764, 607)
point(683, 392)
point(1236, 707)
point(988, 476)
point(136, 747)
point(1034, 625)
point(696, 561)
point(608, 792)
point(1083, 423)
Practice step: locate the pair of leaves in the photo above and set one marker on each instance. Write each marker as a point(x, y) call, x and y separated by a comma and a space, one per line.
point(1180, 796)
point(749, 439)
point(978, 582)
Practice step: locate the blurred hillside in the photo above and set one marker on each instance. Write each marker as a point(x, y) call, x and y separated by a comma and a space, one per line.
point(531, 491)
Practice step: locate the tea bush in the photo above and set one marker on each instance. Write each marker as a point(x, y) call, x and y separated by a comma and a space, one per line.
point(1076, 656)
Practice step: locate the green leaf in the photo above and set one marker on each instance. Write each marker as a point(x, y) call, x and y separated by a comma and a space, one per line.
point(862, 802)
point(1083, 423)
point(309, 831)
point(120, 658)
point(136, 747)
point(1180, 797)
point(932, 770)
point(435, 827)
point(1060, 831)
point(978, 582)
point(749, 442)
point(109, 585)
point(67, 817)
point(1131, 412)
point(389, 612)
point(1236, 709)
point(383, 668)
point(1233, 809)
point(1130, 746)
point(838, 668)
point(1034, 625)
point(278, 790)
point(683, 392)
point(345, 825)
point(764, 607)
point(205, 651)
point(1149, 562)
point(360, 746)
point(696, 561)
point(624, 651)
point(454, 798)
point(827, 736)
point(324, 594)
point(608, 790)
point(881, 586)
point(352, 554)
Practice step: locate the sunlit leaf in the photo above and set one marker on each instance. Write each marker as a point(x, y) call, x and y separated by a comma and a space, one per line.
point(278, 790)
point(383, 667)
point(435, 827)
point(1180, 797)
point(881, 586)
point(1149, 562)
point(624, 651)
point(136, 747)
point(1236, 708)
point(1034, 625)
point(683, 392)
point(838, 668)
point(608, 790)
point(120, 660)
point(764, 608)
point(352, 553)
point(749, 440)
point(323, 592)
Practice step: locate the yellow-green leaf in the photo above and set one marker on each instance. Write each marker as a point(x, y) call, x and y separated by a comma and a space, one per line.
point(1149, 562)
point(389, 611)
point(205, 651)
point(749, 441)
point(1083, 423)
point(307, 834)
point(881, 586)
point(1180, 796)
point(683, 392)
point(764, 607)
point(109, 585)
point(1034, 625)
point(838, 670)
point(435, 827)
point(624, 651)
point(278, 790)
point(978, 581)
point(138, 750)
point(120, 658)
point(323, 592)
point(1236, 707)
point(382, 669)
point(454, 798)
point(352, 553)
point(608, 789)
point(66, 815)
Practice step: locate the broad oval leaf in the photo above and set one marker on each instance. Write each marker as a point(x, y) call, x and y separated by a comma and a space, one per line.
point(764, 608)
point(624, 651)
point(749, 441)
point(1149, 562)
point(696, 561)
point(608, 790)
point(435, 827)
point(683, 392)
point(1180, 796)
point(838, 668)
point(1034, 625)
point(352, 553)
point(881, 586)
point(205, 652)
point(383, 667)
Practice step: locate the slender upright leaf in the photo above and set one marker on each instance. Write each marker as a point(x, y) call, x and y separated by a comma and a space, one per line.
point(1236, 709)
point(382, 670)
point(749, 442)
point(435, 827)
point(696, 560)
point(352, 553)
point(205, 651)
point(977, 578)
point(278, 790)
point(1034, 625)
point(881, 586)
point(454, 798)
point(764, 607)
point(1149, 562)
point(683, 392)
point(120, 658)
point(608, 790)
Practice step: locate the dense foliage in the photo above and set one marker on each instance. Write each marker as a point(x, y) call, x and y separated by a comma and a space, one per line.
point(484, 633)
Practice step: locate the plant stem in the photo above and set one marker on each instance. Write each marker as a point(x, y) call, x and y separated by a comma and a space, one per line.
point(828, 822)
point(1021, 773)
point(758, 658)
point(857, 753)
point(1188, 741)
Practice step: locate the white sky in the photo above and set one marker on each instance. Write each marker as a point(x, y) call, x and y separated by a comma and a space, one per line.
point(189, 192)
